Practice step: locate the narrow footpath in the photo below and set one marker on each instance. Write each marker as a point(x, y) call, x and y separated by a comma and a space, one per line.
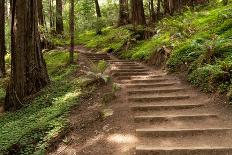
point(156, 114)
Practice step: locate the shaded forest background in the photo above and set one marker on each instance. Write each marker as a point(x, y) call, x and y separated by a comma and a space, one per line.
point(39, 70)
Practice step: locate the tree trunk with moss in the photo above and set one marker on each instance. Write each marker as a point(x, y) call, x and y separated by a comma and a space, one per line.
point(2, 38)
point(28, 69)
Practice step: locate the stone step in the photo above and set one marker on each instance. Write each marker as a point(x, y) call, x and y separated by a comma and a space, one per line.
point(179, 132)
point(151, 85)
point(157, 98)
point(164, 107)
point(154, 91)
point(208, 150)
point(155, 118)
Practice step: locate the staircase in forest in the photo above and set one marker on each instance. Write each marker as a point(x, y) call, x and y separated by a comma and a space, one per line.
point(170, 118)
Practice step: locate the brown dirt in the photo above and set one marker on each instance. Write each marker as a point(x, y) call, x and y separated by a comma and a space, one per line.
point(172, 133)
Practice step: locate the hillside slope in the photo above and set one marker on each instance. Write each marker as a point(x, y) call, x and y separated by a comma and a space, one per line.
point(200, 42)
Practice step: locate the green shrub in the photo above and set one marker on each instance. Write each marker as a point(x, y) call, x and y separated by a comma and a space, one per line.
point(207, 77)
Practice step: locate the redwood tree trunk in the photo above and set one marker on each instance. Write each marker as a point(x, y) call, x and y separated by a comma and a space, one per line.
point(59, 18)
point(28, 68)
point(158, 9)
point(72, 28)
point(153, 14)
point(40, 12)
point(137, 12)
point(123, 13)
point(2, 38)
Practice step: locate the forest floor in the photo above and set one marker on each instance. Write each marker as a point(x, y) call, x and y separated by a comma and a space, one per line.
point(153, 112)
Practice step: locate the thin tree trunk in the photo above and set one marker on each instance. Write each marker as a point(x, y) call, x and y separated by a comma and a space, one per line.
point(158, 9)
point(2, 38)
point(98, 12)
point(28, 68)
point(59, 18)
point(137, 12)
point(72, 28)
point(123, 13)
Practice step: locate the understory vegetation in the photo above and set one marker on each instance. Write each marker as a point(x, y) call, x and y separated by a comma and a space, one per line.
point(30, 129)
point(199, 40)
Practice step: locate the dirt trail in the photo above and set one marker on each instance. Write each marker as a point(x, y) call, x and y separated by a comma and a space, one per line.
point(154, 114)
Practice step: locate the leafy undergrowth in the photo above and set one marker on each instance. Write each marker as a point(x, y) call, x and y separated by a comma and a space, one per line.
point(110, 39)
point(206, 54)
point(200, 41)
point(3, 81)
point(29, 130)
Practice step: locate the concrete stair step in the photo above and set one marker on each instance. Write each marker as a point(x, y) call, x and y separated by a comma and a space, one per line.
point(157, 98)
point(178, 132)
point(164, 107)
point(153, 150)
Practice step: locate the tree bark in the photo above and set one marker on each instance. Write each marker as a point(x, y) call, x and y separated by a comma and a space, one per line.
point(98, 12)
point(2, 38)
point(59, 17)
point(137, 12)
point(72, 28)
point(123, 13)
point(152, 10)
point(28, 69)
point(158, 9)
point(40, 12)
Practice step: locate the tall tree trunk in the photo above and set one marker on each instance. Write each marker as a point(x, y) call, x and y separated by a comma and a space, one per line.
point(166, 7)
point(59, 17)
point(72, 28)
point(98, 12)
point(137, 12)
point(158, 9)
point(152, 10)
point(123, 13)
point(28, 69)
point(2, 38)
point(171, 7)
point(40, 12)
